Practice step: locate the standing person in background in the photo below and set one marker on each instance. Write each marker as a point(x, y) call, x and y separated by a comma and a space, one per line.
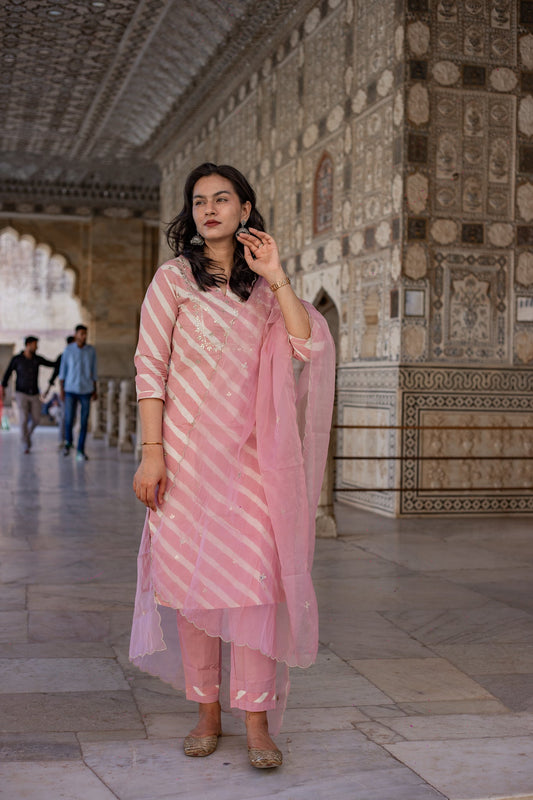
point(61, 414)
point(77, 378)
point(26, 366)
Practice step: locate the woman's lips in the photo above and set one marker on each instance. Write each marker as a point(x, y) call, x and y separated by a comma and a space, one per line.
point(211, 223)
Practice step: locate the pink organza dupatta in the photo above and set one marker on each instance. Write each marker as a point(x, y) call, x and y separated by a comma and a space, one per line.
point(293, 428)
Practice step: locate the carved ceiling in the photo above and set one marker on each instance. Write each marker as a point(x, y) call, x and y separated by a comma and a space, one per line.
point(89, 89)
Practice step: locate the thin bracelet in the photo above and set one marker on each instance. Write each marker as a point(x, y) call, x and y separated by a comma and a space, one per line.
point(275, 286)
point(143, 443)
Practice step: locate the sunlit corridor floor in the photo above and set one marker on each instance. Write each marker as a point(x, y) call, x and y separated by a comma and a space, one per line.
point(423, 688)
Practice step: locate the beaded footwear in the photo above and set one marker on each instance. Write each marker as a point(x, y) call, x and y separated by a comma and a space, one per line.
point(200, 746)
point(264, 759)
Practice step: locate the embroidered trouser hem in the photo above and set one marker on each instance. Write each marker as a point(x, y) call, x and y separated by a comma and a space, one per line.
point(252, 677)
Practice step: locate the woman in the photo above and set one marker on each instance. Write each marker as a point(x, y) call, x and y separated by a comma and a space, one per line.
point(233, 453)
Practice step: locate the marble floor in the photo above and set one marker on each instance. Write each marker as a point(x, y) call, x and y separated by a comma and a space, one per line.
point(423, 687)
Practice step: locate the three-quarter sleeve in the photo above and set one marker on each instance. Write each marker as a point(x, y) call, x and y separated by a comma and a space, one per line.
point(158, 316)
point(301, 348)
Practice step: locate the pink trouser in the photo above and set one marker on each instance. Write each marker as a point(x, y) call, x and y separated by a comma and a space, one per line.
point(252, 678)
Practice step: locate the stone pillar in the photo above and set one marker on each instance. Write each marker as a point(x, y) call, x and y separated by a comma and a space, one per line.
point(126, 416)
point(112, 413)
point(98, 411)
point(326, 527)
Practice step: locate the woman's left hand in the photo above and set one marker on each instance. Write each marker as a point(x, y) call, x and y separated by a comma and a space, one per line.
point(261, 254)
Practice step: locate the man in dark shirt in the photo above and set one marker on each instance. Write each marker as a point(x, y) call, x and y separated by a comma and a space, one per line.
point(26, 366)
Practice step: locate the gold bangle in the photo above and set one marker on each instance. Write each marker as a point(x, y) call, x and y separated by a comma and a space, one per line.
point(275, 286)
point(143, 443)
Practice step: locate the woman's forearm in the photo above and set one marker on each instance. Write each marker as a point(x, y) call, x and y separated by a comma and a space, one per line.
point(151, 413)
point(294, 313)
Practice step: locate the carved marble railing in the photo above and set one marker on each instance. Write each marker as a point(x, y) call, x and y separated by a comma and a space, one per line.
point(114, 413)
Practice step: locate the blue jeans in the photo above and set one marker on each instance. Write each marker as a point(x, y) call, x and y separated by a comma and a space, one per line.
point(71, 402)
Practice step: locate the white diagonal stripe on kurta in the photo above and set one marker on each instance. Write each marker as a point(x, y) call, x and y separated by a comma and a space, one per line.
point(172, 501)
point(214, 588)
point(177, 506)
point(184, 439)
point(233, 462)
point(166, 545)
point(254, 523)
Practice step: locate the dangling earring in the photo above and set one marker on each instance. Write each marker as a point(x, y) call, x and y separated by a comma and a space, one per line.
point(242, 228)
point(197, 239)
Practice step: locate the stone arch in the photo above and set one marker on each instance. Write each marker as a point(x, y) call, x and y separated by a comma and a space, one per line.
point(323, 195)
point(38, 295)
point(325, 522)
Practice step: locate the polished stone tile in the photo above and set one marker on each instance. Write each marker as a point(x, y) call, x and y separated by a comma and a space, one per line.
point(50, 781)
point(443, 707)
point(514, 691)
point(329, 683)
point(388, 593)
point(353, 634)
point(13, 626)
point(493, 623)
point(69, 711)
point(82, 597)
point(155, 697)
point(336, 765)
point(12, 542)
point(110, 736)
point(461, 726)
point(476, 769)
point(12, 598)
point(65, 566)
point(39, 747)
point(384, 712)
point(517, 593)
point(295, 720)
point(378, 732)
point(488, 659)
point(344, 561)
point(412, 679)
point(471, 576)
point(421, 552)
point(57, 675)
point(57, 649)
point(89, 626)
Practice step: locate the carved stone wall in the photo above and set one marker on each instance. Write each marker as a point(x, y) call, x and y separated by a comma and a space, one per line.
point(420, 230)
point(466, 280)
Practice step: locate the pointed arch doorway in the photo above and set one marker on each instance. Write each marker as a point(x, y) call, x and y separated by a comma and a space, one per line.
point(37, 297)
point(326, 526)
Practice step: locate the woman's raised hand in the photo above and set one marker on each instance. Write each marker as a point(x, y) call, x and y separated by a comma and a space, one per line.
point(261, 254)
point(150, 475)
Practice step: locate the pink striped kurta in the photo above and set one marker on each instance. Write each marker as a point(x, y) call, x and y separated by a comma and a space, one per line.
point(231, 546)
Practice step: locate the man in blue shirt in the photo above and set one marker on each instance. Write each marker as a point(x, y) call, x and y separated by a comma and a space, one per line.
point(77, 379)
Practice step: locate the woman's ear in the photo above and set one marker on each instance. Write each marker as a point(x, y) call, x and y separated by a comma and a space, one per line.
point(246, 208)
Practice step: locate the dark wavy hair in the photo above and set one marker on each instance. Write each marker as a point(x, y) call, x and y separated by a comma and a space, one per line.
point(182, 228)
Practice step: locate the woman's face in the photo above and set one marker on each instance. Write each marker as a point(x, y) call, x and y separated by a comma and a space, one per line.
point(216, 208)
